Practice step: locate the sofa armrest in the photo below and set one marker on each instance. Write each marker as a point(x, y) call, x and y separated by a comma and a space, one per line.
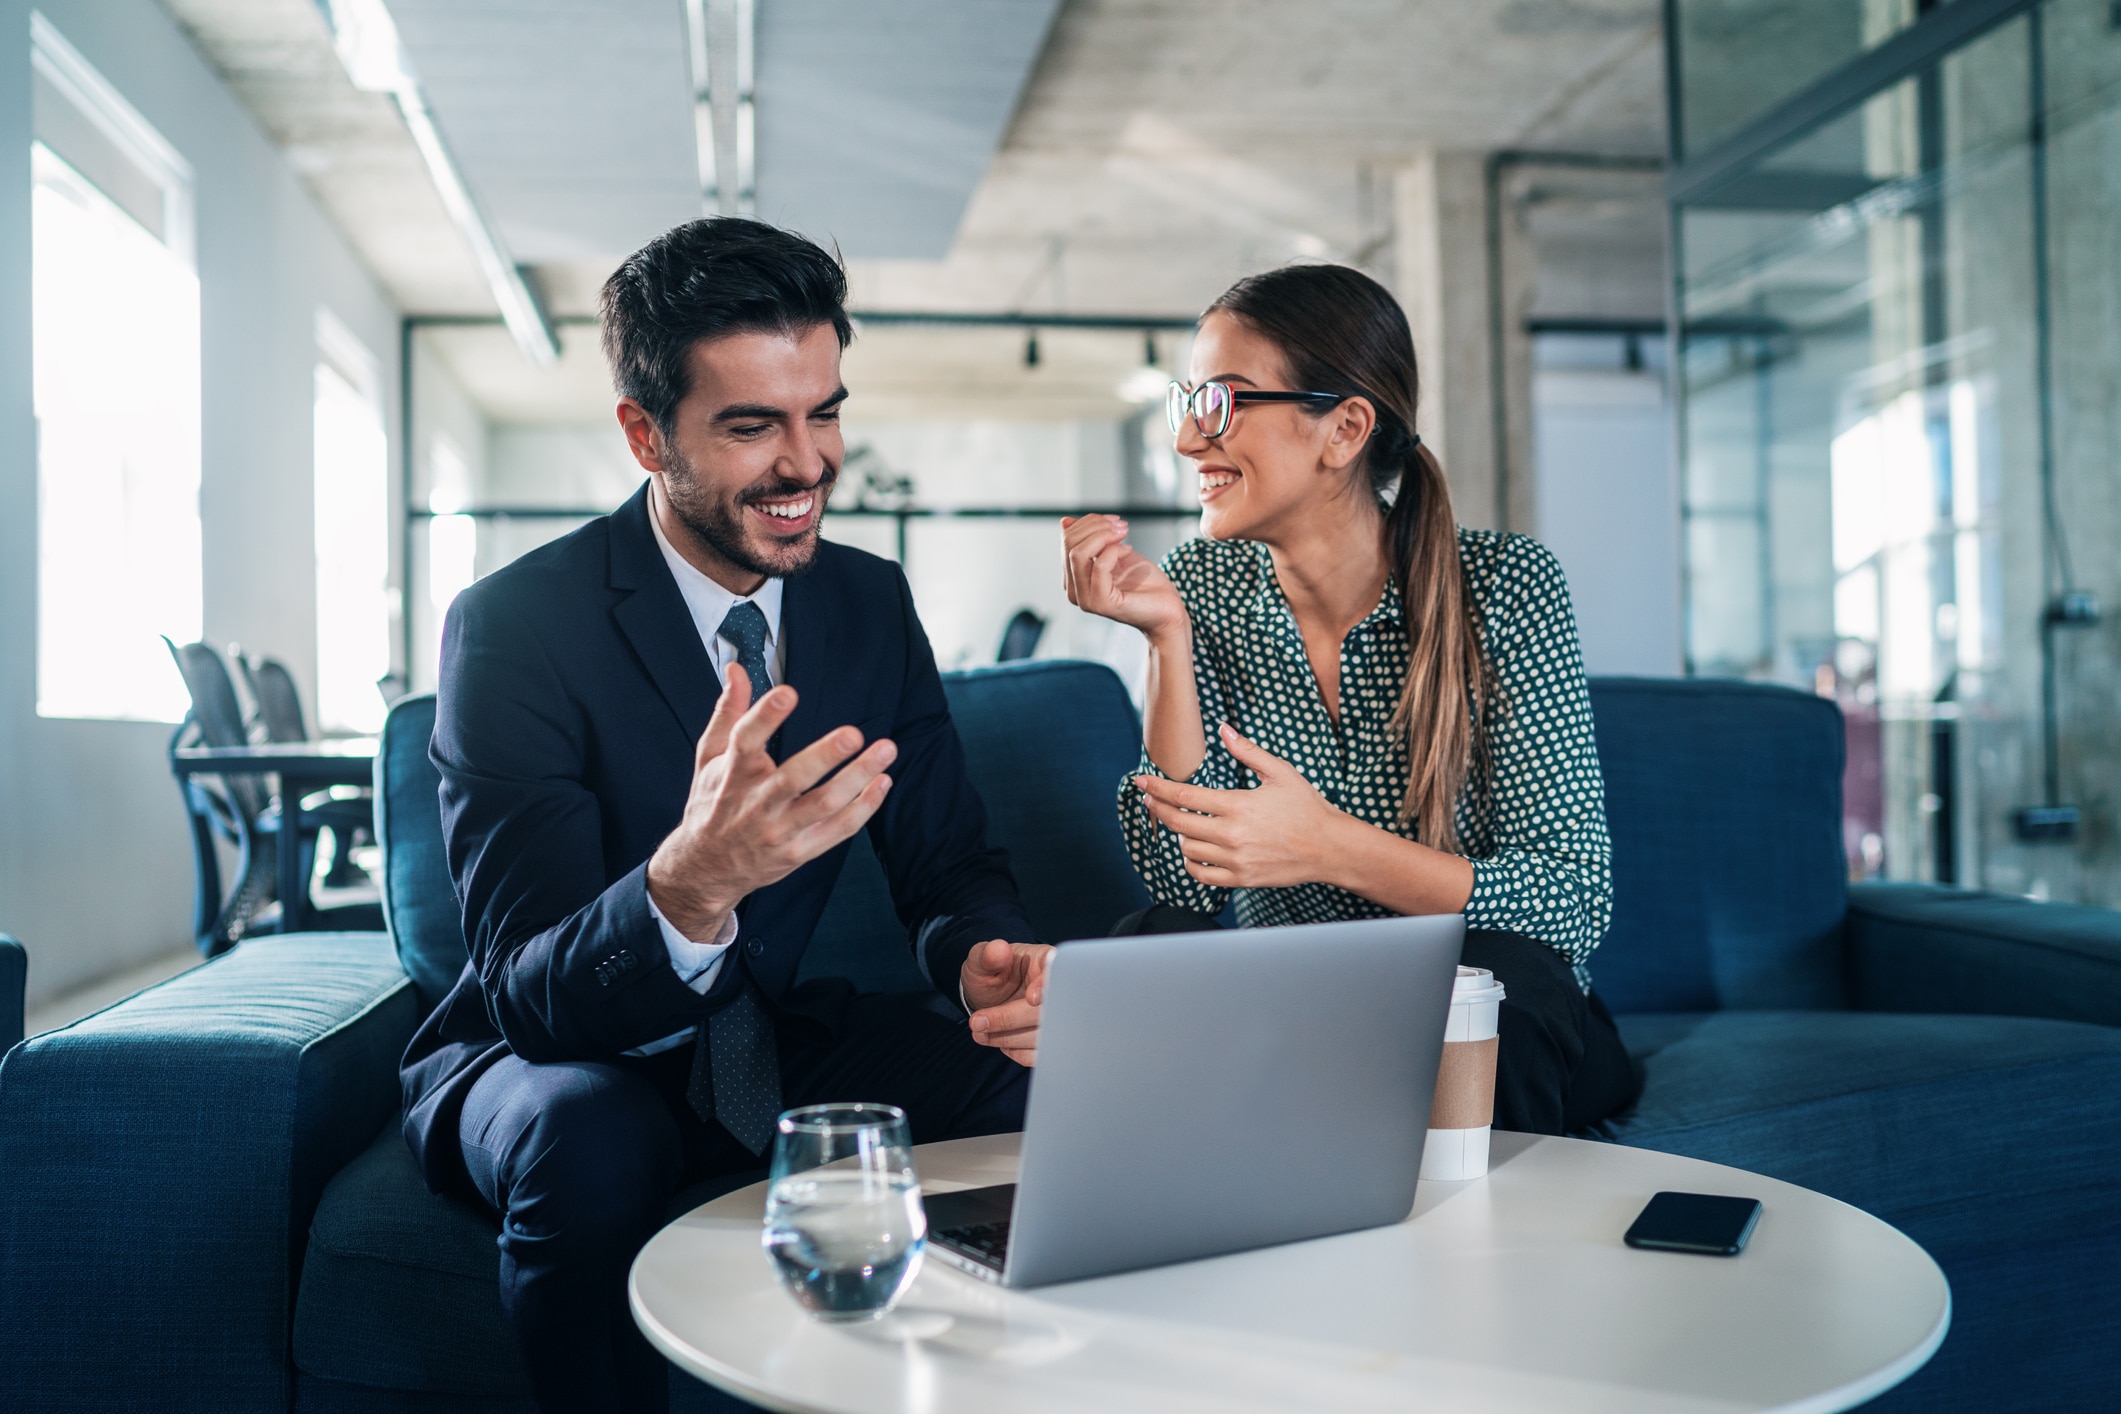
point(14, 982)
point(161, 1161)
point(1923, 948)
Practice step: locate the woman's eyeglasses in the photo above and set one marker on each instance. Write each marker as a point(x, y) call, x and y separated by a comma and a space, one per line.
point(1212, 405)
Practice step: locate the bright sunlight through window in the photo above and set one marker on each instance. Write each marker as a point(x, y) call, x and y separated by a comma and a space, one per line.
point(353, 555)
point(116, 340)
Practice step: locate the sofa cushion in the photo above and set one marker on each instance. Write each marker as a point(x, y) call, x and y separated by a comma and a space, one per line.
point(1926, 1121)
point(1724, 801)
point(401, 1288)
point(419, 901)
point(1046, 745)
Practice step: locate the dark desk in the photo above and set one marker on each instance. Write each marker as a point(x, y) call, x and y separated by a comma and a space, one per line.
point(302, 767)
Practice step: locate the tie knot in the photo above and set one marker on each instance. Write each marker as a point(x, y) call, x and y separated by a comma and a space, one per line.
point(745, 626)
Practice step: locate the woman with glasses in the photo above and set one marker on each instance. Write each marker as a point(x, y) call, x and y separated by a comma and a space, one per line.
point(1354, 707)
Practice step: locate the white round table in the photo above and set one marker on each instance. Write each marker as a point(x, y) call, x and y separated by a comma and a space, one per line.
point(1509, 1292)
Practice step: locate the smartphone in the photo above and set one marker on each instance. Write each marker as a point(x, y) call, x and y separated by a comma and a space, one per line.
point(1695, 1222)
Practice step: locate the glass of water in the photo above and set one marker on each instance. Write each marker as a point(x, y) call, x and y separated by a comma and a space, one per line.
point(844, 1223)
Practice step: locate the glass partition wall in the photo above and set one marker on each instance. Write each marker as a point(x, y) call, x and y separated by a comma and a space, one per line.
point(1900, 418)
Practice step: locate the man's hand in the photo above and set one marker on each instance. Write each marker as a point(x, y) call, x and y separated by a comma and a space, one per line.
point(1278, 834)
point(749, 823)
point(1005, 984)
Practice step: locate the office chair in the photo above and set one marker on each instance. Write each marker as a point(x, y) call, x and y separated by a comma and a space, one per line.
point(236, 809)
point(279, 717)
point(278, 700)
point(1020, 639)
point(233, 809)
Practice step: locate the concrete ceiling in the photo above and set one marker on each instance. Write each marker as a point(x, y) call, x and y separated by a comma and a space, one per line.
point(571, 121)
point(1165, 147)
point(350, 147)
point(876, 122)
point(1157, 150)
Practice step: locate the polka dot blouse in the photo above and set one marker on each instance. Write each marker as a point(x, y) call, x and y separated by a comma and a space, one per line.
point(1535, 831)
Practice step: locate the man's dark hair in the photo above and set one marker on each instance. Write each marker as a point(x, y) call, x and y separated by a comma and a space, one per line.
point(702, 280)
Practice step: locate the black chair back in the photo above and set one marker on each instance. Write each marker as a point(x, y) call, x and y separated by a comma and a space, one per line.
point(1020, 639)
point(214, 705)
point(279, 701)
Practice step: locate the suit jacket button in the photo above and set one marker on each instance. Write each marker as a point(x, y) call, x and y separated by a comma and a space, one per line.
point(756, 947)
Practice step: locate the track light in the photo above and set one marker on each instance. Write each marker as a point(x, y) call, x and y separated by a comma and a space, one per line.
point(1031, 349)
point(1149, 359)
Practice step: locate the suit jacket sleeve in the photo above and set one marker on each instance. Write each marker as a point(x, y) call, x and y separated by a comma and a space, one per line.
point(571, 962)
point(952, 890)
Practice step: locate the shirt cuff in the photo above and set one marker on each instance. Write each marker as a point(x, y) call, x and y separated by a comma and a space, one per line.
point(696, 964)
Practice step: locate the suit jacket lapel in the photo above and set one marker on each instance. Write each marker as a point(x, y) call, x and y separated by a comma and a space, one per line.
point(655, 620)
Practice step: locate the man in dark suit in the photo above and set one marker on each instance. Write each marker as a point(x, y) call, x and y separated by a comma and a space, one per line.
point(656, 737)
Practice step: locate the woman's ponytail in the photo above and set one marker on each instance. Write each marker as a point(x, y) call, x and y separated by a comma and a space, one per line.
point(1442, 708)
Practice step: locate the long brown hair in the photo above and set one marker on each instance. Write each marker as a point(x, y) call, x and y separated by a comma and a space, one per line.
point(1342, 332)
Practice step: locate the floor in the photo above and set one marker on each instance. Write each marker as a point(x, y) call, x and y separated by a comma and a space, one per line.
point(89, 998)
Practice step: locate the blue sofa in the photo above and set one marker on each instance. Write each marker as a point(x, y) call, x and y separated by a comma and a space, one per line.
point(208, 1205)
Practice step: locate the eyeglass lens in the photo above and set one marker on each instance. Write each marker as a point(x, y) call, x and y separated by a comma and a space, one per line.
point(1208, 405)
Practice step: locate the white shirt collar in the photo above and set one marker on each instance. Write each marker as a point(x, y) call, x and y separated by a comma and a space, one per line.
point(710, 602)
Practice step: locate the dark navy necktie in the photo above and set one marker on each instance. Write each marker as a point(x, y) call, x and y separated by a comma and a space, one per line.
point(744, 628)
point(736, 1074)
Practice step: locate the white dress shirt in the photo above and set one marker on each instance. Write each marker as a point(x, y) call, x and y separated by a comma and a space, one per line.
point(697, 963)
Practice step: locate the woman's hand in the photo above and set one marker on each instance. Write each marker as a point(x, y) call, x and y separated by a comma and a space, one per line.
point(1104, 575)
point(1278, 834)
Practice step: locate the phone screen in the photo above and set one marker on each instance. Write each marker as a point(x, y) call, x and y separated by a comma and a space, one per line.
point(1695, 1222)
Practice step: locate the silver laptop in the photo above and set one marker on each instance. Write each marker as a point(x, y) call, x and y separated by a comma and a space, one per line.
point(1201, 1093)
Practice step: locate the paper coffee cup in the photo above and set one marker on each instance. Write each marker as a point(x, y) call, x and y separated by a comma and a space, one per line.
point(1464, 1108)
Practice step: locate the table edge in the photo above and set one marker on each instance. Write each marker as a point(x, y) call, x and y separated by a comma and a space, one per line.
point(709, 1372)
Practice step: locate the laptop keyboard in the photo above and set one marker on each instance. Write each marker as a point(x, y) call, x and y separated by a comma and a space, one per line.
point(985, 1240)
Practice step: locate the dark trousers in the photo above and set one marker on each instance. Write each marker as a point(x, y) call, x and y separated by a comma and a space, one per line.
point(1560, 1066)
point(582, 1158)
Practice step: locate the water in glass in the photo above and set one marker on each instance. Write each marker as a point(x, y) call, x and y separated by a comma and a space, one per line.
point(844, 1223)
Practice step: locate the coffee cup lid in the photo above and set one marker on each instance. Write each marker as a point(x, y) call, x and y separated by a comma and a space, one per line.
point(1475, 984)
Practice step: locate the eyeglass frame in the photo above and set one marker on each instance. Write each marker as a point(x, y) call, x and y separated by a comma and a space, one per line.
point(1236, 396)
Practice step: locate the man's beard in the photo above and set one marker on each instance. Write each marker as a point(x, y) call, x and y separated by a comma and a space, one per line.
point(719, 523)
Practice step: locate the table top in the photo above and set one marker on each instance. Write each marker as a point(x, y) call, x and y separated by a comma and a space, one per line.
point(335, 755)
point(1508, 1292)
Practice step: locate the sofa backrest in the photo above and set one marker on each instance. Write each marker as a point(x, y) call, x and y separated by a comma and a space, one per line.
point(419, 902)
point(1046, 744)
point(1724, 800)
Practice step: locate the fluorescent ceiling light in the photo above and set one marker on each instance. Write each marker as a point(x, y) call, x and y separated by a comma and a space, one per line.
point(725, 124)
point(366, 39)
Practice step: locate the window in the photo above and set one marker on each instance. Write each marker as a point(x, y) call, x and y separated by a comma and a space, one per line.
point(452, 536)
point(353, 534)
point(115, 333)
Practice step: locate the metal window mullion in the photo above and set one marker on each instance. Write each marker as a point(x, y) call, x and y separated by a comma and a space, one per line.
point(1913, 49)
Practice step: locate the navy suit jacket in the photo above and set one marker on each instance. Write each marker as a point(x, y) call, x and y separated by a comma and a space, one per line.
point(574, 689)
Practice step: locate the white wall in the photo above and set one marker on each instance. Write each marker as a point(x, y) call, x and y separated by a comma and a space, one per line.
point(1608, 507)
point(95, 869)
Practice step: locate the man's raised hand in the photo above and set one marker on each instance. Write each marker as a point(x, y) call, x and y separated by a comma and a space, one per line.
point(748, 822)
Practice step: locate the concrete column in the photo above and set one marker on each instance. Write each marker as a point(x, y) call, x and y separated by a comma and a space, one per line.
point(1442, 255)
